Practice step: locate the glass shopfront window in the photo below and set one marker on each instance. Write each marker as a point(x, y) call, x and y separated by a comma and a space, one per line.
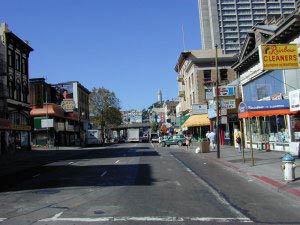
point(270, 128)
point(295, 127)
point(267, 85)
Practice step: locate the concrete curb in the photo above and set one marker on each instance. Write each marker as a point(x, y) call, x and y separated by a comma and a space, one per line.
point(280, 187)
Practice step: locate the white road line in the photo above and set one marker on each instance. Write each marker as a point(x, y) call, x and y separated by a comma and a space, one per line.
point(145, 219)
point(71, 163)
point(213, 191)
point(103, 174)
point(221, 220)
point(34, 177)
point(117, 161)
point(2, 219)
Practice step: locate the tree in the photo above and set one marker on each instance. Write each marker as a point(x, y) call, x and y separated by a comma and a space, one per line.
point(154, 127)
point(105, 108)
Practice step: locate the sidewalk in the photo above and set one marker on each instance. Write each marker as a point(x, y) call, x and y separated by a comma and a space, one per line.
point(266, 169)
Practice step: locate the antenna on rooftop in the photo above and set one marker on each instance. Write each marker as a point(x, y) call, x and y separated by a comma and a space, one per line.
point(183, 39)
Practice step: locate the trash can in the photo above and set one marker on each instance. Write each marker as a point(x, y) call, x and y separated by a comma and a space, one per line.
point(204, 146)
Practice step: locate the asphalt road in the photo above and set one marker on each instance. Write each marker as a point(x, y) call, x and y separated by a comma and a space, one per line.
point(138, 183)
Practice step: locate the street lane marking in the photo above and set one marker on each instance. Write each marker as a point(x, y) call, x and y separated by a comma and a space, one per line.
point(34, 177)
point(213, 191)
point(221, 220)
point(103, 174)
point(71, 163)
point(2, 219)
point(117, 161)
point(145, 219)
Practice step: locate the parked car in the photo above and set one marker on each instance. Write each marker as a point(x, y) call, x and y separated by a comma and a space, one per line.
point(177, 139)
point(154, 138)
point(145, 138)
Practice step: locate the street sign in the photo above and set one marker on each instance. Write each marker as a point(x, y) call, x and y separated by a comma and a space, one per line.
point(46, 123)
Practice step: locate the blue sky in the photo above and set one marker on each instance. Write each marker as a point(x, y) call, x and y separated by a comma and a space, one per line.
point(129, 47)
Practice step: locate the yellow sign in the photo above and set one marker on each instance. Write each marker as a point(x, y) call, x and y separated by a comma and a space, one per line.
point(21, 127)
point(279, 56)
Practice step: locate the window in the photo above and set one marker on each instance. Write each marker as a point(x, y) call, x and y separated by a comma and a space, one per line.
point(278, 132)
point(24, 66)
point(223, 74)
point(10, 58)
point(18, 61)
point(10, 89)
point(18, 92)
point(24, 92)
point(207, 75)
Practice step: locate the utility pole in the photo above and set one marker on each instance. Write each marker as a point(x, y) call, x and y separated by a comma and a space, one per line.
point(217, 105)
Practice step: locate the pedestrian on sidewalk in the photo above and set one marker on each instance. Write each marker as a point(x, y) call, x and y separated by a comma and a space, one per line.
point(211, 137)
point(238, 139)
point(187, 142)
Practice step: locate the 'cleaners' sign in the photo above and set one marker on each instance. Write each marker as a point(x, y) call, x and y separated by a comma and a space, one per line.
point(279, 56)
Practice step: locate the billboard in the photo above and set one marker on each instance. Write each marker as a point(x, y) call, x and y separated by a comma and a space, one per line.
point(278, 56)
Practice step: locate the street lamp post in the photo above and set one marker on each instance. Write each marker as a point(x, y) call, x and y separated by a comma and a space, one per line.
point(217, 105)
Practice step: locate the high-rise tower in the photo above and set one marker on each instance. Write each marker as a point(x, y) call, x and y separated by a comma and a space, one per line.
point(227, 22)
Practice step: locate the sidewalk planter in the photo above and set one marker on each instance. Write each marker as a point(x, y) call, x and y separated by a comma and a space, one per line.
point(204, 146)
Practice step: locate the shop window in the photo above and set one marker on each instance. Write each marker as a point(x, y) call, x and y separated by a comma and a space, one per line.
point(277, 129)
point(295, 127)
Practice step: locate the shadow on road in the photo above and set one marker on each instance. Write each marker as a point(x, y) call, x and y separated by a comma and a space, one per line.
point(19, 172)
point(78, 176)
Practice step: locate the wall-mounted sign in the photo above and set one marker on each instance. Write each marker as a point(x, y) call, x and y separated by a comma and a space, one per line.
point(211, 113)
point(228, 103)
point(209, 95)
point(294, 97)
point(59, 126)
point(224, 120)
point(199, 109)
point(21, 127)
point(70, 127)
point(277, 96)
point(278, 56)
point(46, 123)
point(68, 105)
point(226, 91)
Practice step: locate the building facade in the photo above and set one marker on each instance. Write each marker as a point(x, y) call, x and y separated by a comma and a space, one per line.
point(62, 128)
point(274, 126)
point(197, 76)
point(74, 97)
point(227, 22)
point(14, 105)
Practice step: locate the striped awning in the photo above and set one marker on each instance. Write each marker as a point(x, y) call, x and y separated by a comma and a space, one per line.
point(197, 121)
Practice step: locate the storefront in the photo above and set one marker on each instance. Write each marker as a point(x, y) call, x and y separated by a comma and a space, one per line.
point(266, 124)
point(20, 130)
point(197, 125)
point(5, 131)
